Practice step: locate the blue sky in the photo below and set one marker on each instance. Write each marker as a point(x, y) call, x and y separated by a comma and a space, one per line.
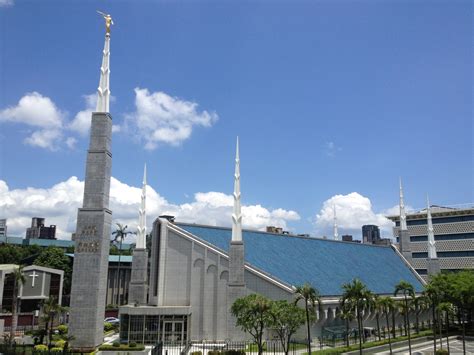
point(328, 98)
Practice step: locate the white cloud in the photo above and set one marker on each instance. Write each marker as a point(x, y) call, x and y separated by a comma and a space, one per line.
point(353, 211)
point(163, 119)
point(59, 204)
point(40, 112)
point(82, 121)
point(6, 3)
point(331, 149)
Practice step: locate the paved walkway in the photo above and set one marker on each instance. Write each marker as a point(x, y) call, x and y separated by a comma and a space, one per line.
point(455, 347)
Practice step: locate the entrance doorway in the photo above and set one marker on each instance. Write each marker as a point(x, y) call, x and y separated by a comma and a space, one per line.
point(173, 331)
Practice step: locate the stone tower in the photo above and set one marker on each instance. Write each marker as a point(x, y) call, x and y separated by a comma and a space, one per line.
point(404, 235)
point(236, 286)
point(138, 280)
point(433, 261)
point(91, 254)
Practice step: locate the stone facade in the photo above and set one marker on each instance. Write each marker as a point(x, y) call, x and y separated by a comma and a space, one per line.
point(89, 280)
point(138, 282)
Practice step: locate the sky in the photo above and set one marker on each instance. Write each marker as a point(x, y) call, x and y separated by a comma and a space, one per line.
point(332, 101)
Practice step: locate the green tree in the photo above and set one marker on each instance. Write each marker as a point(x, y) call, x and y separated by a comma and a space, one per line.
point(420, 304)
point(56, 258)
point(347, 315)
point(356, 296)
point(407, 290)
point(311, 297)
point(387, 305)
point(18, 280)
point(252, 315)
point(432, 294)
point(448, 310)
point(50, 309)
point(285, 319)
point(378, 308)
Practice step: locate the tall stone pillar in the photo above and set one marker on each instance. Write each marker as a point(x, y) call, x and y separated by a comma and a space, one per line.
point(91, 253)
point(236, 286)
point(138, 281)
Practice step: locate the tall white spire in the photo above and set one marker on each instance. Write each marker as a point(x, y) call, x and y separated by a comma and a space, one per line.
point(431, 241)
point(141, 234)
point(403, 217)
point(103, 91)
point(336, 234)
point(237, 215)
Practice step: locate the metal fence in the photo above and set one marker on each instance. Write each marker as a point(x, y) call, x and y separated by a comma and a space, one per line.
point(222, 348)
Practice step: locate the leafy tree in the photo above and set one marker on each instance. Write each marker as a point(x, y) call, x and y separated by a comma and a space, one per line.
point(310, 297)
point(378, 308)
point(285, 319)
point(50, 309)
point(386, 304)
point(252, 313)
point(420, 304)
point(18, 280)
point(432, 294)
point(347, 315)
point(407, 290)
point(55, 258)
point(448, 310)
point(356, 296)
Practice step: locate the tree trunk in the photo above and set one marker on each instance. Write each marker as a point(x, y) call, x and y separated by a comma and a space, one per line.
point(434, 327)
point(347, 332)
point(14, 311)
point(393, 324)
point(463, 333)
point(359, 324)
point(440, 325)
point(408, 323)
point(388, 332)
point(378, 325)
point(308, 328)
point(447, 331)
point(417, 320)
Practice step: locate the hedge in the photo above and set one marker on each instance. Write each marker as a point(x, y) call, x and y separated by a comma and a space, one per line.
point(108, 347)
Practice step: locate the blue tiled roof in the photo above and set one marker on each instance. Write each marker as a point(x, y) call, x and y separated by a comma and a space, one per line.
point(325, 264)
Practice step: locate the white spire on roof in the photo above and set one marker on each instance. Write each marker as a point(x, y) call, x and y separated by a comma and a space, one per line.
point(403, 217)
point(237, 214)
point(431, 240)
point(336, 234)
point(141, 235)
point(103, 91)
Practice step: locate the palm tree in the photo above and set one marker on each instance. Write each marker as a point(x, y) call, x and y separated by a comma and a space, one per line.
point(356, 296)
point(378, 309)
point(386, 305)
point(347, 315)
point(407, 290)
point(310, 297)
point(420, 304)
point(448, 309)
point(120, 234)
point(18, 281)
point(51, 309)
point(432, 294)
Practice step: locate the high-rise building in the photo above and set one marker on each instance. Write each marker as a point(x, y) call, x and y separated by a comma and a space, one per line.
point(39, 231)
point(3, 227)
point(453, 229)
point(370, 234)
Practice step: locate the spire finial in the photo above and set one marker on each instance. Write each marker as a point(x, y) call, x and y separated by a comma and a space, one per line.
point(431, 240)
point(141, 235)
point(237, 215)
point(403, 217)
point(103, 91)
point(336, 234)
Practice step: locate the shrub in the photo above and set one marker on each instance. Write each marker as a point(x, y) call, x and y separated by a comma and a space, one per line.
point(442, 352)
point(56, 350)
point(132, 345)
point(233, 352)
point(213, 352)
point(62, 329)
point(108, 327)
point(116, 344)
point(41, 347)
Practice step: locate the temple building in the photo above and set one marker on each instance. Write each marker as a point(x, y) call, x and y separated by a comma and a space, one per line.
point(197, 272)
point(453, 233)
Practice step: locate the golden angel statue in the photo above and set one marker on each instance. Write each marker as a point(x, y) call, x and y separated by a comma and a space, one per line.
point(108, 21)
